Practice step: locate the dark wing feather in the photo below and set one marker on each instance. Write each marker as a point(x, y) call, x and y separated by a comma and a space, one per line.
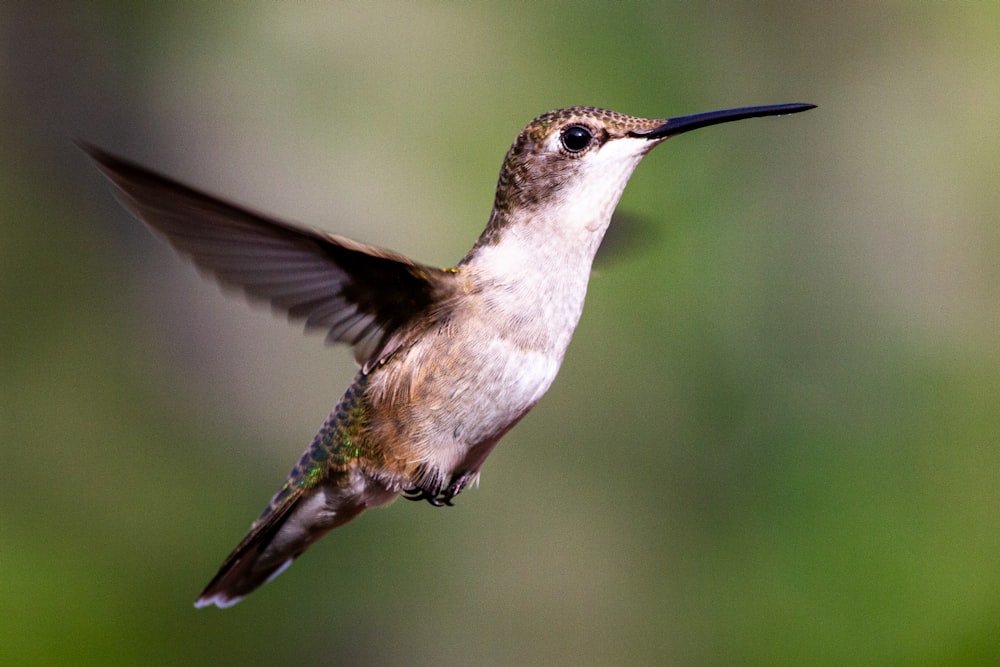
point(359, 293)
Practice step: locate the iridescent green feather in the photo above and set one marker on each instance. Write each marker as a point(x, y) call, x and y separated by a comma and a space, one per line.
point(335, 447)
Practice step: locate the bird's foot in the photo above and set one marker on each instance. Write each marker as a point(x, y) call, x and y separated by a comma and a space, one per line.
point(436, 496)
point(456, 487)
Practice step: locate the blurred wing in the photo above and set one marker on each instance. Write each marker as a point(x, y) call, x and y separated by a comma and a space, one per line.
point(359, 293)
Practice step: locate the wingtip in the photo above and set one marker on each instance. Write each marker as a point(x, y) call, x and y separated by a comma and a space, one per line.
point(109, 164)
point(93, 151)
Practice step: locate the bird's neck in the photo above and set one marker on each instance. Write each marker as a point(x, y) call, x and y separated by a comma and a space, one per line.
point(534, 271)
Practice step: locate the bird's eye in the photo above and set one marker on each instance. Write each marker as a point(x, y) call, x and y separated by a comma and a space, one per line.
point(575, 138)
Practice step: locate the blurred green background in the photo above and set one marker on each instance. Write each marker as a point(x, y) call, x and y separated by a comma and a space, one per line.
point(776, 435)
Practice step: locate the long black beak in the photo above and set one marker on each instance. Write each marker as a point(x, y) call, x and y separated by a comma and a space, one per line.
point(674, 126)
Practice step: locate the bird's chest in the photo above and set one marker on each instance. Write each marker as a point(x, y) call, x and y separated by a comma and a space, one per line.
point(465, 381)
point(457, 390)
point(501, 383)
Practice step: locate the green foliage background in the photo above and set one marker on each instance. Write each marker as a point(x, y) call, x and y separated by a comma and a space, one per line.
point(776, 436)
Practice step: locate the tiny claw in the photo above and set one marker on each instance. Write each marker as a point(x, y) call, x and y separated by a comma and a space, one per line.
point(455, 488)
point(424, 494)
point(437, 497)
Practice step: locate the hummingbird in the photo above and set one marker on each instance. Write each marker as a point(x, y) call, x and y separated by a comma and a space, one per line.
point(450, 359)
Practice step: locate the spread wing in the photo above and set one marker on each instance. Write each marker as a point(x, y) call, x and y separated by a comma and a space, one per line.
point(361, 294)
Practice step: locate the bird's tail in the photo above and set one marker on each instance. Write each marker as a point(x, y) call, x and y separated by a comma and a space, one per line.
point(252, 563)
point(292, 522)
